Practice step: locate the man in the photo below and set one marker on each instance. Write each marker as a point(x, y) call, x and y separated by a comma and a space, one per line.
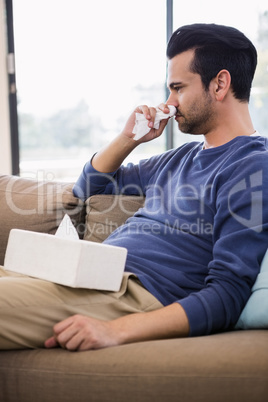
point(195, 249)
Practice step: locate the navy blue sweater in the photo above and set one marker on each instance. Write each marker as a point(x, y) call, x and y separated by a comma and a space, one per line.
point(202, 234)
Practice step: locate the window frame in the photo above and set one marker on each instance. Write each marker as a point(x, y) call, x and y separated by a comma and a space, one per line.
point(12, 92)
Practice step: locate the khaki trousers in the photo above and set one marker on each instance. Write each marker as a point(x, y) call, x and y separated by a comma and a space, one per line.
point(30, 307)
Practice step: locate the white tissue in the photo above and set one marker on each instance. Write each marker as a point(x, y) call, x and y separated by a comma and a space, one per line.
point(141, 123)
point(66, 229)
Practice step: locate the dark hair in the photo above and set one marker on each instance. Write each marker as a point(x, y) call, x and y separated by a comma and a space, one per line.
point(217, 47)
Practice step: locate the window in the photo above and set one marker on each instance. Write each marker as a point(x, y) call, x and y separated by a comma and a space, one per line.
point(81, 68)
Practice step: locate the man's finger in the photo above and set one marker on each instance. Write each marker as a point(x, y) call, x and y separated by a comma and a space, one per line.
point(51, 343)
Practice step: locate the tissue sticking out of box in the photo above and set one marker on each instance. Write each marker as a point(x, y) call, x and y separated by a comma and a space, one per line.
point(66, 229)
point(64, 259)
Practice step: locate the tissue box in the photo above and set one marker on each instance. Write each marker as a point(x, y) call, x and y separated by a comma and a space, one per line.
point(75, 263)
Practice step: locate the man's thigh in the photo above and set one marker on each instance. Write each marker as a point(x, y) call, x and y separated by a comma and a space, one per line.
point(30, 307)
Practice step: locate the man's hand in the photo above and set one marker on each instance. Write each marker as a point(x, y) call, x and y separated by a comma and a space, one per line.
point(112, 155)
point(80, 333)
point(84, 333)
point(149, 113)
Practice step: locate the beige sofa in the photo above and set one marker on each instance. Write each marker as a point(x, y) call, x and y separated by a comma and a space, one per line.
point(229, 367)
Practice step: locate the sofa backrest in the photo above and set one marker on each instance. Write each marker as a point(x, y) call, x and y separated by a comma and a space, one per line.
point(37, 206)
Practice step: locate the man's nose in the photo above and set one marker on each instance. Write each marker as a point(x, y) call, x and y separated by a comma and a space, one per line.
point(172, 100)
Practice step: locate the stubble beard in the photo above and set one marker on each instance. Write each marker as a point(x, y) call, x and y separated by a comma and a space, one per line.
point(198, 118)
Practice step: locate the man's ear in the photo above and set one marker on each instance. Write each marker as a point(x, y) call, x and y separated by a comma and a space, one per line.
point(221, 84)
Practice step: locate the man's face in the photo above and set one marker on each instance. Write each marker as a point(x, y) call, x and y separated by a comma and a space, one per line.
point(195, 104)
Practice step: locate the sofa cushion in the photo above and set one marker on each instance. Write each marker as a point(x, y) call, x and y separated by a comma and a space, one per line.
point(106, 212)
point(36, 205)
point(255, 313)
point(231, 367)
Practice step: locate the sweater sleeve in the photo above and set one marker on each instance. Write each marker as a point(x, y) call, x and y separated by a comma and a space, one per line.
point(126, 180)
point(131, 179)
point(92, 182)
point(239, 244)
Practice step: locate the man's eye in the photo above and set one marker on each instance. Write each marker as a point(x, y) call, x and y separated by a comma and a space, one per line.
point(177, 89)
